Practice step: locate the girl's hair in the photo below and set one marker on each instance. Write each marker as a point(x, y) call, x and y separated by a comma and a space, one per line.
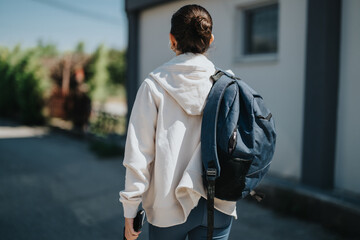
point(191, 26)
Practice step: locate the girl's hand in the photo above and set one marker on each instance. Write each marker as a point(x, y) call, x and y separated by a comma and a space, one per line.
point(130, 234)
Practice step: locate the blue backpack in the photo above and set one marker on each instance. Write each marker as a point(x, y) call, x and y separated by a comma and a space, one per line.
point(237, 141)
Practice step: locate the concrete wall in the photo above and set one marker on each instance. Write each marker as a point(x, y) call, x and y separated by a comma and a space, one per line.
point(279, 80)
point(348, 129)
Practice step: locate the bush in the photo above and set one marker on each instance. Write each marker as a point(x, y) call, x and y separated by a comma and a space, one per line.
point(106, 148)
point(105, 73)
point(9, 105)
point(30, 98)
point(21, 86)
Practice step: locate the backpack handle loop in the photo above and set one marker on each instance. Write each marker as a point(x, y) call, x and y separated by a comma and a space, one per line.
point(219, 73)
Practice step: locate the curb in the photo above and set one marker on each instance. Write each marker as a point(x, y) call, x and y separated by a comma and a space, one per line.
point(340, 212)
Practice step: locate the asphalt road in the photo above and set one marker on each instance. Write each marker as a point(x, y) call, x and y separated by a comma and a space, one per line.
point(53, 187)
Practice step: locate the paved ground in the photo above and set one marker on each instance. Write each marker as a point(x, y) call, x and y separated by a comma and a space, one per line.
point(53, 187)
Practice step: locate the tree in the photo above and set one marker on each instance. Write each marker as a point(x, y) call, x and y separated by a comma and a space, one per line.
point(97, 74)
point(80, 48)
point(117, 66)
point(46, 49)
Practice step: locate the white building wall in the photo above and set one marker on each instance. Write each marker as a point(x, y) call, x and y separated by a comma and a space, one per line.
point(280, 81)
point(347, 175)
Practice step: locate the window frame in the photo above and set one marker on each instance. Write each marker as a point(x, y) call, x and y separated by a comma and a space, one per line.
point(240, 31)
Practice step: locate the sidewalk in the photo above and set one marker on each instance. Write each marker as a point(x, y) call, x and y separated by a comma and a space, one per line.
point(53, 187)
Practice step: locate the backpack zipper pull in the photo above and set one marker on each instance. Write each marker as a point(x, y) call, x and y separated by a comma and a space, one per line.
point(232, 141)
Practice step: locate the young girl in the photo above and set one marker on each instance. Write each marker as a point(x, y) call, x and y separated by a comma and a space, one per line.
point(162, 153)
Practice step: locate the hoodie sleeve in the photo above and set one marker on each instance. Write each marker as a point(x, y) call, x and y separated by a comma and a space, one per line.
point(139, 150)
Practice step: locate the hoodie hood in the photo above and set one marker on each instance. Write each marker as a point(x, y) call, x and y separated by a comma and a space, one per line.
point(186, 78)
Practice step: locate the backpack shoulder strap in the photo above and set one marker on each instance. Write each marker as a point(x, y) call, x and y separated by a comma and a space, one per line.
point(208, 140)
point(209, 123)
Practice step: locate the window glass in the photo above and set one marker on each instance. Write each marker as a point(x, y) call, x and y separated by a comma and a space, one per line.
point(261, 30)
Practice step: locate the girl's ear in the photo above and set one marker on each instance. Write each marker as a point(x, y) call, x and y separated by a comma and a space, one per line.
point(173, 42)
point(212, 38)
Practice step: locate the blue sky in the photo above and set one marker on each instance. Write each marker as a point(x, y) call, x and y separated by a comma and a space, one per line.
point(63, 22)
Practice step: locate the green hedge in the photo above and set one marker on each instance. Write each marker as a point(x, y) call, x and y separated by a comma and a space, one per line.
point(21, 86)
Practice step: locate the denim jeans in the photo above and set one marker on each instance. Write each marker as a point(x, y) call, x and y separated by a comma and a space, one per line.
point(195, 227)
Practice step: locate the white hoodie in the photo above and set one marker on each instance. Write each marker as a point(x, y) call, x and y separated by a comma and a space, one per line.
point(162, 153)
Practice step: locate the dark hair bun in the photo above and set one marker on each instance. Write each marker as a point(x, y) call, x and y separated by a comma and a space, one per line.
point(201, 26)
point(191, 26)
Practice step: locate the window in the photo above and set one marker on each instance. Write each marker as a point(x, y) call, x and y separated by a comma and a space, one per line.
point(260, 30)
